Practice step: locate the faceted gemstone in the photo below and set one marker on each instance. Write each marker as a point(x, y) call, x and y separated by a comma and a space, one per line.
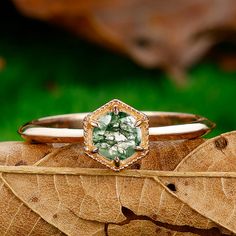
point(116, 135)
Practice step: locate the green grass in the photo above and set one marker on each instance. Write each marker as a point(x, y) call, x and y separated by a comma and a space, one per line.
point(49, 71)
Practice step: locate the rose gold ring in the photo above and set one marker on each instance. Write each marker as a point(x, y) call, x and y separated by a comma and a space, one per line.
point(116, 134)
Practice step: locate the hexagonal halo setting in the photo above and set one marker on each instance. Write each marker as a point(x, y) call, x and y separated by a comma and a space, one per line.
point(116, 135)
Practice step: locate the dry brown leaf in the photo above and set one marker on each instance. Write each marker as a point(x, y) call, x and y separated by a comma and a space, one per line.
point(143, 228)
point(94, 205)
point(214, 198)
point(15, 217)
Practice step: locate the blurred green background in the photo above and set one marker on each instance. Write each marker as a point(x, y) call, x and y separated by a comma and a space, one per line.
point(49, 71)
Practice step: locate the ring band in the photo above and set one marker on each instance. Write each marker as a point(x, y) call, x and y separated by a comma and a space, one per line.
point(117, 127)
point(69, 128)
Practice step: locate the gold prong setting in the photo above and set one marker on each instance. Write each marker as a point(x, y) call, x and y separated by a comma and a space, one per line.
point(107, 142)
point(116, 110)
point(138, 123)
point(95, 150)
point(94, 123)
point(139, 148)
point(117, 161)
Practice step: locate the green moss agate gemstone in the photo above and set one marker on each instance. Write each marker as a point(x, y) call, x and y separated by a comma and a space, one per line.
point(116, 135)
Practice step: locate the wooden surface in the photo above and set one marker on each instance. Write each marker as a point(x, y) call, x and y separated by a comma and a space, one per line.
point(180, 188)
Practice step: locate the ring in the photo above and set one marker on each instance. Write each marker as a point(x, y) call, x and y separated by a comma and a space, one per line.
point(116, 134)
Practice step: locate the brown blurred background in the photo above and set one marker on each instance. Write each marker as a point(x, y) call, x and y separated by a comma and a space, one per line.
point(71, 56)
